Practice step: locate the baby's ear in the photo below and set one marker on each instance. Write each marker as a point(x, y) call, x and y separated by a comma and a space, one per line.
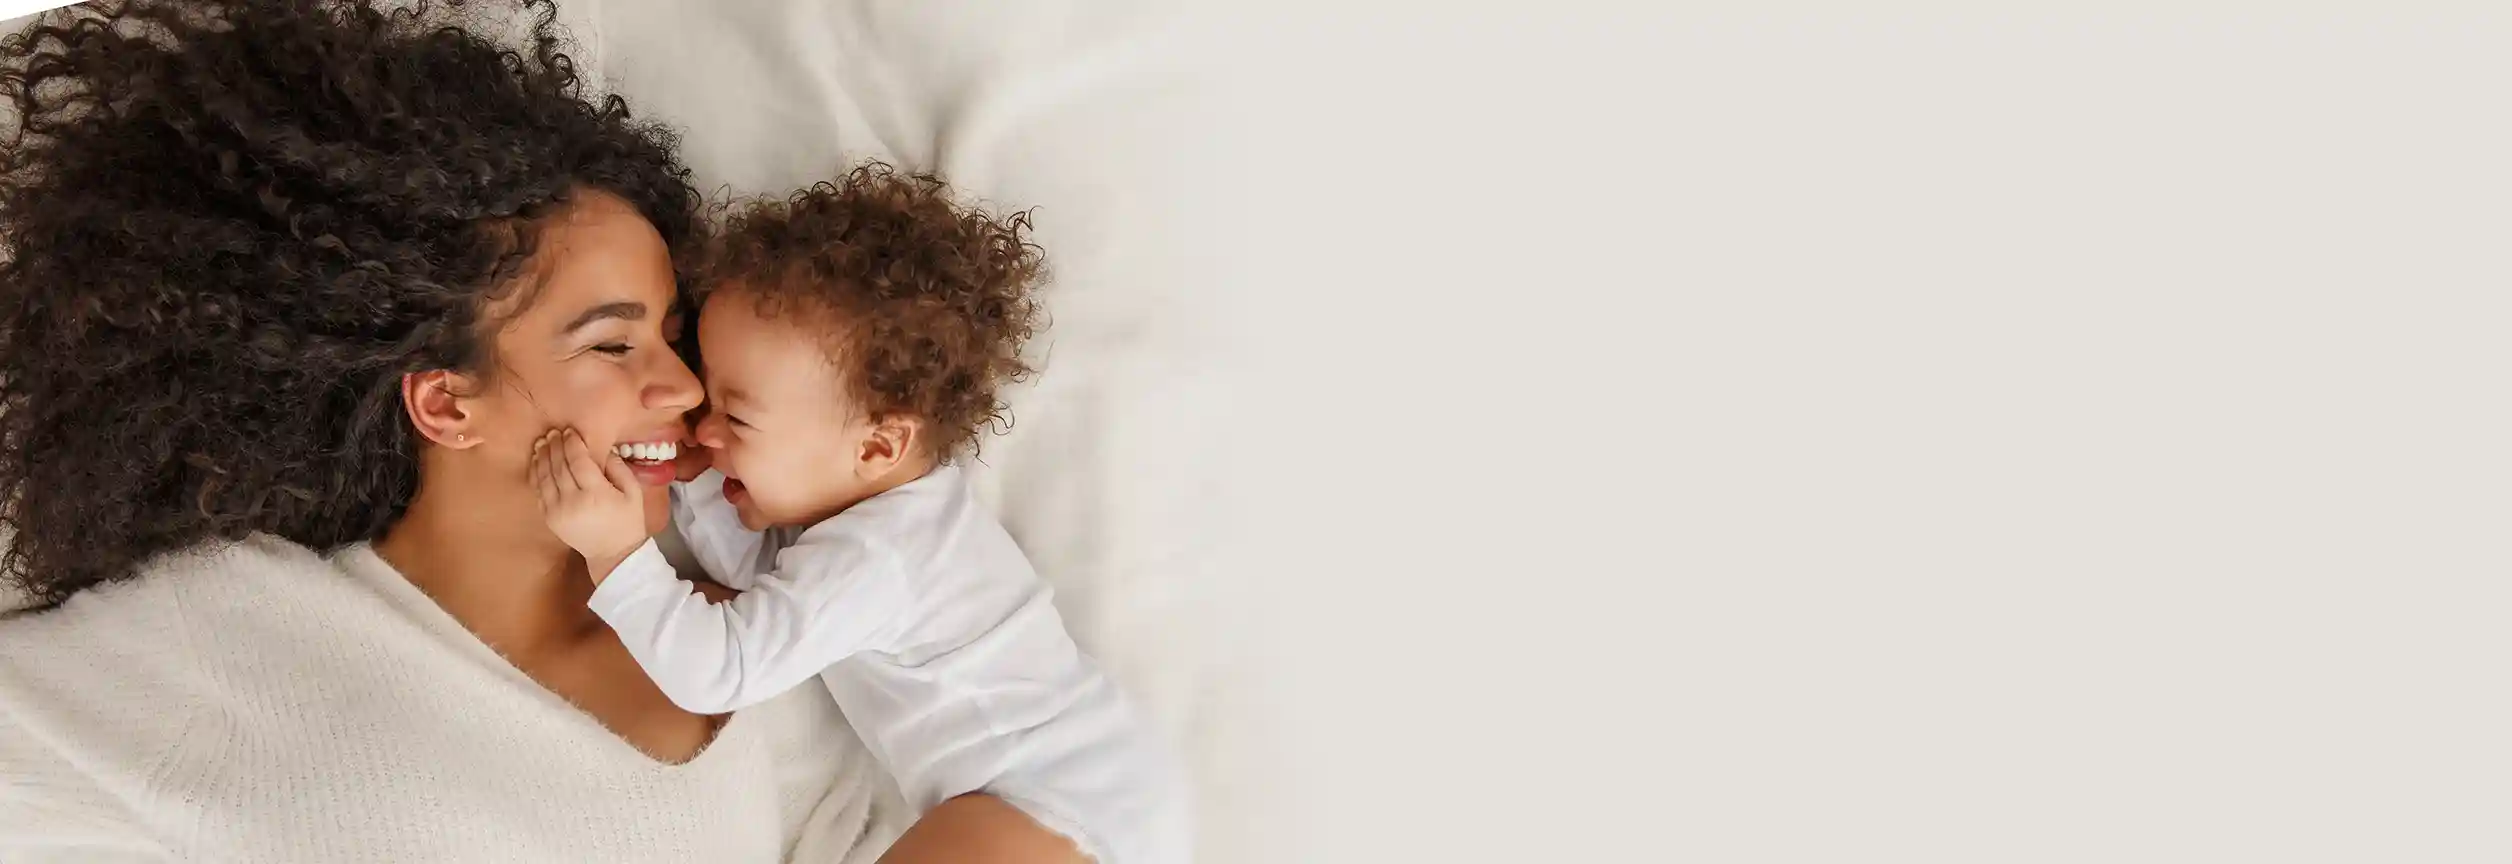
point(893, 440)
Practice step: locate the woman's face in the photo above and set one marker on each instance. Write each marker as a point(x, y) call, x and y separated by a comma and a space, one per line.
point(592, 349)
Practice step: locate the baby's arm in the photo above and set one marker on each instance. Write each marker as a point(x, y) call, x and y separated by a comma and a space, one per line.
point(714, 534)
point(830, 596)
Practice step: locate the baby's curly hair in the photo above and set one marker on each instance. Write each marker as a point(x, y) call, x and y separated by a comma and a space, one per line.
point(927, 304)
point(231, 226)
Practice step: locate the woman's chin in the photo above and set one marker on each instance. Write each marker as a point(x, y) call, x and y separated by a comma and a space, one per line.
point(658, 514)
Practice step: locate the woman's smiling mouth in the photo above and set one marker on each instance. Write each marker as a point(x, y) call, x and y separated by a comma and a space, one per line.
point(648, 452)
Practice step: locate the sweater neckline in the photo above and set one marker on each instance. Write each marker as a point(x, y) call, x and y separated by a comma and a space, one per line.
point(360, 561)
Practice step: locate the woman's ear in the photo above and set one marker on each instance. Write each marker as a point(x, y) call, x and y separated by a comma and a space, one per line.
point(892, 440)
point(437, 409)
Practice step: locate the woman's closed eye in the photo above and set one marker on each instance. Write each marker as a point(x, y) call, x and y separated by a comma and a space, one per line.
point(615, 349)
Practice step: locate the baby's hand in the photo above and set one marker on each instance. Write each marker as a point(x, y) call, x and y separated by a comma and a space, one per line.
point(692, 461)
point(597, 507)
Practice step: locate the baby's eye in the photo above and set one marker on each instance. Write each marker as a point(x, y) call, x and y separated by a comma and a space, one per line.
point(735, 421)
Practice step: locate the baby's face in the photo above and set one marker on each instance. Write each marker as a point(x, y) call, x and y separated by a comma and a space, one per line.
point(778, 425)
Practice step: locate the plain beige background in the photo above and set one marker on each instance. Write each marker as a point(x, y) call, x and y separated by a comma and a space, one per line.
point(1830, 432)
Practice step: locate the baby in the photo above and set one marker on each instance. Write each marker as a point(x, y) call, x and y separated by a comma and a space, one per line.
point(853, 337)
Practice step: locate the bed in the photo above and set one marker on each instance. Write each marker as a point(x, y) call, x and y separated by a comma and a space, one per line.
point(1098, 117)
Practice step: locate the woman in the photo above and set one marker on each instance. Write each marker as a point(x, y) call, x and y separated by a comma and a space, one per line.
point(292, 287)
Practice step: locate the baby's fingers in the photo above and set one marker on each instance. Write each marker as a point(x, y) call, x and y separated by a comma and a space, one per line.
point(616, 469)
point(543, 484)
point(556, 455)
point(588, 473)
point(545, 461)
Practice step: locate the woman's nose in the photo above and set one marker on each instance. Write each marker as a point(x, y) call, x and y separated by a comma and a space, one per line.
point(674, 387)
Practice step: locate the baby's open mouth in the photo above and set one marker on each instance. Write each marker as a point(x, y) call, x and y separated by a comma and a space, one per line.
point(648, 452)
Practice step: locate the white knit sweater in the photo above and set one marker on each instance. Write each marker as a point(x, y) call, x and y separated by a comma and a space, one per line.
point(263, 703)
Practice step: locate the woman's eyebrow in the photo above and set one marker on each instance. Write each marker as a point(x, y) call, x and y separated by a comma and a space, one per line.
point(629, 310)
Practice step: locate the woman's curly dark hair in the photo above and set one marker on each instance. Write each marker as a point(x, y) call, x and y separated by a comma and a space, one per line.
point(927, 304)
point(230, 228)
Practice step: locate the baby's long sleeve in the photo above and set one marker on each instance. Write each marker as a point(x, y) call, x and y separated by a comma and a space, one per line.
point(831, 594)
point(935, 636)
point(707, 524)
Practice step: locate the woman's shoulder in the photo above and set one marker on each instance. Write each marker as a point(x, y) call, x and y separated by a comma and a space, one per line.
point(180, 614)
point(206, 572)
point(110, 683)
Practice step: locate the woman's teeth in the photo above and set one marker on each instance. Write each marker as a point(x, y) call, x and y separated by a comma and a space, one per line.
point(651, 451)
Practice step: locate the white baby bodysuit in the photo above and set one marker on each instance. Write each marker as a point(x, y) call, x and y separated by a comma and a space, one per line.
point(939, 642)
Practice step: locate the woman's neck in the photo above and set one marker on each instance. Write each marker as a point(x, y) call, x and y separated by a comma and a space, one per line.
point(489, 561)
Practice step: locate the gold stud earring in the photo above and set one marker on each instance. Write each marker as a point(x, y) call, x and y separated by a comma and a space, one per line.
point(461, 437)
